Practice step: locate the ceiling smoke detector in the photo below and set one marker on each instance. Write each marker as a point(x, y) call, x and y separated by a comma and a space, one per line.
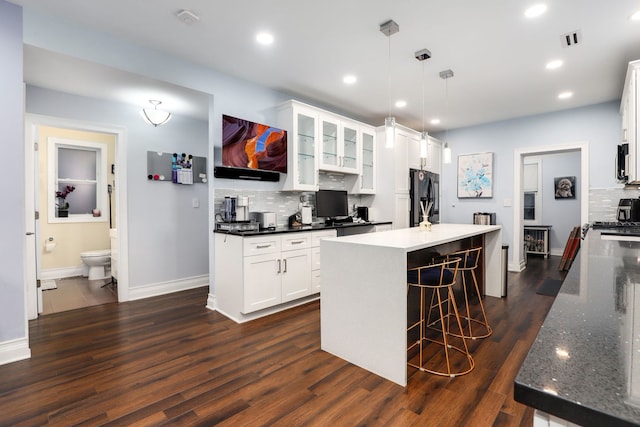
point(187, 17)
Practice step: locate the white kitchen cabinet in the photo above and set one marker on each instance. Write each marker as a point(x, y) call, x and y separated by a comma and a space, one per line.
point(340, 144)
point(315, 256)
point(262, 280)
point(366, 180)
point(630, 118)
point(301, 122)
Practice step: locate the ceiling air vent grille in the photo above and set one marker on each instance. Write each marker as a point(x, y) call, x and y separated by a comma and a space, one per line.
point(571, 39)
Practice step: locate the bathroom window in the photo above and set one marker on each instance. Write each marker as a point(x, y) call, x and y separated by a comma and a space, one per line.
point(79, 166)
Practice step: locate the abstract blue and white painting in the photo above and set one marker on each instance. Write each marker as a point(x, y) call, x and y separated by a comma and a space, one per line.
point(475, 175)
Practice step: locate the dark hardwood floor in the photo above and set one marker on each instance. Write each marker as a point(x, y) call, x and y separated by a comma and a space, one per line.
point(169, 360)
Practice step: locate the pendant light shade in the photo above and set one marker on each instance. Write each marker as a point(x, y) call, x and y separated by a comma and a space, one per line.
point(388, 29)
point(154, 116)
point(424, 143)
point(446, 152)
point(389, 131)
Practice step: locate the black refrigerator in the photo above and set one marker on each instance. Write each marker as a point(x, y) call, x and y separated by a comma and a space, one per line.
point(425, 188)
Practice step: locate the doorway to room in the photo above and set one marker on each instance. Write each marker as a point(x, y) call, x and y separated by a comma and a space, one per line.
point(583, 187)
point(53, 253)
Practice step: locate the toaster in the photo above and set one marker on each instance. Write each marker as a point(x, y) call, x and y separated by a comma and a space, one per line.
point(267, 220)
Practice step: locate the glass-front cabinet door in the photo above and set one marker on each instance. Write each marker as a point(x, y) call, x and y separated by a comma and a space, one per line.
point(301, 122)
point(349, 159)
point(366, 181)
point(330, 154)
point(306, 148)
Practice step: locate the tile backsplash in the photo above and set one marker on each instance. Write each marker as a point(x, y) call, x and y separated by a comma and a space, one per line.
point(603, 202)
point(286, 203)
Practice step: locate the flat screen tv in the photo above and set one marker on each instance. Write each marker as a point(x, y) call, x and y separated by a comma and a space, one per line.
point(332, 204)
point(250, 145)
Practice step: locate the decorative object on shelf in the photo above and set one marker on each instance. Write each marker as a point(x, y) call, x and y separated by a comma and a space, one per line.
point(179, 168)
point(446, 152)
point(475, 176)
point(421, 55)
point(63, 205)
point(154, 116)
point(388, 29)
point(565, 187)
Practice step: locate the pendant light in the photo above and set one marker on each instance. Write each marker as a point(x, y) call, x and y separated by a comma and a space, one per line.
point(388, 29)
point(154, 116)
point(446, 152)
point(421, 55)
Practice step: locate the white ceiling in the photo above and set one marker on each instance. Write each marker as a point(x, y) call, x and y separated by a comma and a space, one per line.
point(497, 55)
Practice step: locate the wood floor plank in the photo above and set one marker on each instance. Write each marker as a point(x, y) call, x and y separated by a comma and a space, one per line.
point(169, 361)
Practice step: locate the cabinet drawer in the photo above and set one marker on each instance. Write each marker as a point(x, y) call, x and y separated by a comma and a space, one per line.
point(315, 258)
point(261, 245)
point(293, 241)
point(317, 235)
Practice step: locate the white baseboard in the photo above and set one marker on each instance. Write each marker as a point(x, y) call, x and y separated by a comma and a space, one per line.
point(211, 302)
point(163, 288)
point(517, 267)
point(14, 350)
point(556, 251)
point(61, 273)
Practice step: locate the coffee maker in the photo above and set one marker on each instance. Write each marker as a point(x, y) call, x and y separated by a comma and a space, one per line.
point(235, 208)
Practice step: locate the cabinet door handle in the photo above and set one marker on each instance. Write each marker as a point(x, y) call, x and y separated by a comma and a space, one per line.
point(262, 246)
point(279, 267)
point(285, 265)
point(297, 242)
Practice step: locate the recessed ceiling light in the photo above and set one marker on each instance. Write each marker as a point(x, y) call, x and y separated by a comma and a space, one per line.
point(535, 10)
point(635, 16)
point(435, 121)
point(264, 38)
point(552, 65)
point(401, 103)
point(349, 79)
point(565, 95)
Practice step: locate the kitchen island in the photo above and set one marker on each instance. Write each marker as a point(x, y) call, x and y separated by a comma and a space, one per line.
point(584, 366)
point(363, 309)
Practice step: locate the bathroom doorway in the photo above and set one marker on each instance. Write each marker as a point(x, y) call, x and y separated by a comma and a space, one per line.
point(59, 239)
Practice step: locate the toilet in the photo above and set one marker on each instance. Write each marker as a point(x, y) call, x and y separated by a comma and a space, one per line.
point(94, 263)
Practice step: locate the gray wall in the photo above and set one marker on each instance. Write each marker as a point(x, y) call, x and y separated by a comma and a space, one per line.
point(598, 124)
point(561, 214)
point(167, 238)
point(12, 289)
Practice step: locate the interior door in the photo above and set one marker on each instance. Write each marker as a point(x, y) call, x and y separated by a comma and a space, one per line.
point(33, 296)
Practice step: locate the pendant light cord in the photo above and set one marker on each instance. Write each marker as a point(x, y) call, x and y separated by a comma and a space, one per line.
point(423, 96)
point(446, 107)
point(389, 80)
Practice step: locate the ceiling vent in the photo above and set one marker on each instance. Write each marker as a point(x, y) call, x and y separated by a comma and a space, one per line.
point(571, 39)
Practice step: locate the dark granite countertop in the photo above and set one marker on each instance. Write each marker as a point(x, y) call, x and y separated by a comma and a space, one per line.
point(584, 365)
point(314, 227)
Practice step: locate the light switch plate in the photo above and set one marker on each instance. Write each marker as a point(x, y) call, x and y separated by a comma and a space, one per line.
point(195, 202)
point(508, 202)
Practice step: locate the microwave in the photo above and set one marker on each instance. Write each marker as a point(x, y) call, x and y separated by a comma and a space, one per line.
point(622, 163)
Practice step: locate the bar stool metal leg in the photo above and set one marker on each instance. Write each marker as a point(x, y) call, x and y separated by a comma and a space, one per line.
point(476, 327)
point(439, 278)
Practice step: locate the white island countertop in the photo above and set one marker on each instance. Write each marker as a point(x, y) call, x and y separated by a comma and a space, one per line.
point(363, 309)
point(412, 239)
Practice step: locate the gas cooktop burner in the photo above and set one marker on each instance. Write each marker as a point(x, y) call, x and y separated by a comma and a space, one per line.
point(614, 224)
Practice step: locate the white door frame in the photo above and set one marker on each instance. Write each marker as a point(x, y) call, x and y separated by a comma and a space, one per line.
point(518, 199)
point(32, 123)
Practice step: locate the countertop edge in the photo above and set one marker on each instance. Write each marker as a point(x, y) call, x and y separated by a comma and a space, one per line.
point(302, 229)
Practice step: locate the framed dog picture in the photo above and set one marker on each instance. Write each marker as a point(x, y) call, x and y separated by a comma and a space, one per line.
point(565, 187)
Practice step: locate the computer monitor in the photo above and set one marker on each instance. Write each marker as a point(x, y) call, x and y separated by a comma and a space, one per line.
point(332, 204)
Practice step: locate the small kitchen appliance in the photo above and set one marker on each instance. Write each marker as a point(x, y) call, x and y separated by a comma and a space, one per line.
point(267, 220)
point(363, 212)
point(629, 210)
point(242, 208)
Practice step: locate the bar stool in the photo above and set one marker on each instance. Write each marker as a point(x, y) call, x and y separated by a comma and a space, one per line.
point(469, 259)
point(440, 278)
